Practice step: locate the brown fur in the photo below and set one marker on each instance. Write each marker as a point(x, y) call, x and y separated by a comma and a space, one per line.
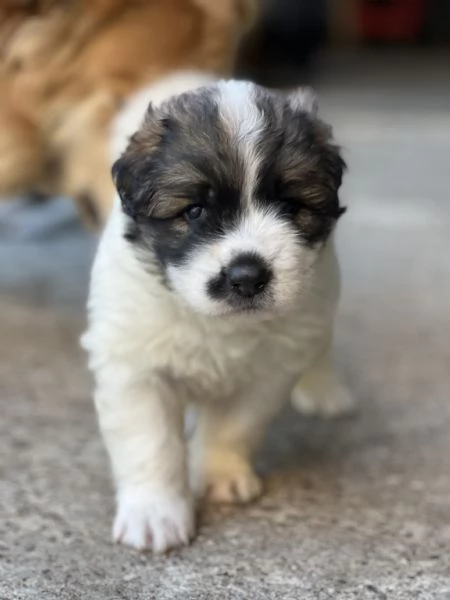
point(13, 13)
point(66, 71)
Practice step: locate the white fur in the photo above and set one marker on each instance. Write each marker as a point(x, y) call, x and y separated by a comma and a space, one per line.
point(146, 519)
point(245, 125)
point(154, 352)
point(303, 98)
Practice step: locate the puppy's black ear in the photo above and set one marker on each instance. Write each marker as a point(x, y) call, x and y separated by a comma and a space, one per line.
point(119, 175)
point(330, 164)
point(133, 172)
point(335, 168)
point(341, 211)
point(128, 176)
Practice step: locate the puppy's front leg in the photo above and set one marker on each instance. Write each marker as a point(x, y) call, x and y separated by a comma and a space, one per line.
point(142, 424)
point(224, 441)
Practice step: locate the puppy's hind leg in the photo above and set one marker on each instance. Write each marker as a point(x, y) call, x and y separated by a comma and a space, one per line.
point(320, 391)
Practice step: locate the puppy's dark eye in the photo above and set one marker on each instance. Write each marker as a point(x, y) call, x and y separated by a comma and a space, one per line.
point(289, 207)
point(194, 212)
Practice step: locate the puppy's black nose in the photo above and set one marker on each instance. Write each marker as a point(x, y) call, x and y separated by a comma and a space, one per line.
point(247, 276)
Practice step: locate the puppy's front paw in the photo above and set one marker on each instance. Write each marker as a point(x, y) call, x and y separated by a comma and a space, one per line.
point(149, 520)
point(328, 401)
point(233, 488)
point(228, 481)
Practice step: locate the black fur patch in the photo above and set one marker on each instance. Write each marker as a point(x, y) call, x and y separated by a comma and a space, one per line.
point(179, 158)
point(301, 167)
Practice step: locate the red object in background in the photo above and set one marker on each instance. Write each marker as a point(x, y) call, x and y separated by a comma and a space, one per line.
point(392, 20)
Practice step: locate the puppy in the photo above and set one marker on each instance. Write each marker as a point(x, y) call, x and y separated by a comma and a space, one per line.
point(215, 286)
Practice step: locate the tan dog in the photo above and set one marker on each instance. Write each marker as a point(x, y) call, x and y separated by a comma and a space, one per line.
point(66, 72)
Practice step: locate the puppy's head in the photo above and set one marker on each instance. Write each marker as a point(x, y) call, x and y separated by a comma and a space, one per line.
point(233, 190)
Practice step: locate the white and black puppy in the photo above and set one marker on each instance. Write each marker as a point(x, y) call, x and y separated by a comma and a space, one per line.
point(215, 286)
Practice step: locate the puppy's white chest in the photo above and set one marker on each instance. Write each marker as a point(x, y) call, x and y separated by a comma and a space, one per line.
point(219, 361)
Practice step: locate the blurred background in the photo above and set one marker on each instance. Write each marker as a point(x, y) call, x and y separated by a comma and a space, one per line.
point(377, 486)
point(291, 34)
point(381, 68)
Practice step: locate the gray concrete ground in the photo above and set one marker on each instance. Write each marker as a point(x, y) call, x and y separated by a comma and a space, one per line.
point(355, 509)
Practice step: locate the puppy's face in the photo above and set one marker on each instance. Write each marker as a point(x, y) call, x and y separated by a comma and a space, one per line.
point(233, 190)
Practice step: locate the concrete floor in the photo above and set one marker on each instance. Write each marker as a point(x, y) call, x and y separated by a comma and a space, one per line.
point(355, 509)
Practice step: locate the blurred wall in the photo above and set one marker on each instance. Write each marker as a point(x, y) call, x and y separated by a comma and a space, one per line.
point(291, 31)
